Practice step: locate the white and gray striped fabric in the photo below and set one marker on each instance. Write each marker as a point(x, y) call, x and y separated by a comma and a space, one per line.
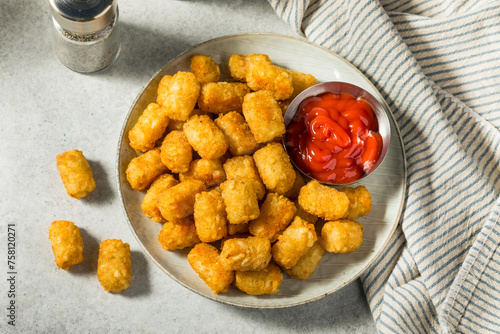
point(437, 64)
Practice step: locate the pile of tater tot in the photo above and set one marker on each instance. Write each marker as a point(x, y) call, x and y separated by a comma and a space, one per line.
point(217, 177)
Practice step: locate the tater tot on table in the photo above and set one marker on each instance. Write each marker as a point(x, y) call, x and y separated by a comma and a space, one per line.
point(243, 168)
point(178, 95)
point(275, 168)
point(308, 262)
point(210, 216)
point(323, 201)
point(149, 128)
point(176, 153)
point(252, 253)
point(240, 201)
point(342, 236)
point(205, 137)
point(177, 202)
point(75, 173)
point(360, 202)
point(238, 134)
point(179, 235)
point(114, 267)
point(276, 213)
point(67, 243)
point(209, 172)
point(222, 97)
point(144, 169)
point(150, 202)
point(205, 69)
point(262, 282)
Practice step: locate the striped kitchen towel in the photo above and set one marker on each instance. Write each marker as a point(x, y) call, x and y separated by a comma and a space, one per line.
point(437, 64)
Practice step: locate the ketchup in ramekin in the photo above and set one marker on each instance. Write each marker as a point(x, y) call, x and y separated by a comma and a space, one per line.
point(334, 137)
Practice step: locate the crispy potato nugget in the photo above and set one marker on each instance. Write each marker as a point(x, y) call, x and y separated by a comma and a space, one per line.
point(75, 173)
point(275, 168)
point(178, 125)
point(275, 214)
point(209, 172)
point(238, 134)
point(149, 128)
point(307, 264)
point(297, 185)
point(178, 235)
point(360, 202)
point(177, 202)
point(342, 236)
point(210, 216)
point(205, 137)
point(178, 95)
point(150, 202)
point(252, 253)
point(304, 215)
point(238, 64)
point(263, 115)
point(323, 201)
point(240, 200)
point(263, 282)
point(294, 243)
point(205, 69)
point(176, 153)
point(114, 267)
point(243, 168)
point(204, 259)
point(301, 81)
point(142, 170)
point(222, 97)
point(67, 243)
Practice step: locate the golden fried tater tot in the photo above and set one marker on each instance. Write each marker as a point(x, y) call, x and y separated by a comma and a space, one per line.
point(67, 244)
point(209, 172)
point(307, 264)
point(205, 137)
point(204, 259)
point(178, 125)
point(275, 168)
point(238, 134)
point(265, 76)
point(294, 243)
point(178, 95)
point(150, 201)
point(263, 115)
point(240, 200)
point(263, 282)
point(243, 168)
point(303, 214)
point(114, 267)
point(205, 69)
point(142, 170)
point(178, 235)
point(149, 128)
point(297, 185)
point(342, 236)
point(323, 201)
point(210, 216)
point(252, 253)
point(301, 81)
point(177, 202)
point(238, 64)
point(360, 202)
point(176, 153)
point(222, 97)
point(275, 214)
point(75, 173)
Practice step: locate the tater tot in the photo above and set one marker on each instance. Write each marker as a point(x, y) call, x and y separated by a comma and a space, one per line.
point(263, 282)
point(238, 134)
point(265, 76)
point(114, 267)
point(301, 81)
point(263, 115)
point(204, 259)
point(307, 264)
point(342, 236)
point(297, 185)
point(142, 170)
point(176, 153)
point(360, 202)
point(238, 64)
point(323, 201)
point(243, 168)
point(275, 214)
point(178, 95)
point(67, 244)
point(75, 173)
point(150, 202)
point(178, 125)
point(209, 172)
point(275, 168)
point(240, 201)
point(205, 137)
point(177, 202)
point(252, 253)
point(205, 69)
point(178, 235)
point(304, 214)
point(294, 243)
point(149, 128)
point(210, 216)
point(222, 97)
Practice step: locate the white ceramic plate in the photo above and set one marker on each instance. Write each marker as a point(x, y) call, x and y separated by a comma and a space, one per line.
point(387, 185)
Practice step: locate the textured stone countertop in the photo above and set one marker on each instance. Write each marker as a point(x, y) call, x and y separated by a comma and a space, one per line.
point(47, 109)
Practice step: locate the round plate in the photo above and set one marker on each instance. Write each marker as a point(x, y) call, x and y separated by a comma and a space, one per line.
point(387, 185)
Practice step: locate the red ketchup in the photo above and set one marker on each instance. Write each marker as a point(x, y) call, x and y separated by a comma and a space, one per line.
point(334, 137)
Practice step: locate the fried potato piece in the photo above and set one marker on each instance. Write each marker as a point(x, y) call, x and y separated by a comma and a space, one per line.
point(243, 168)
point(222, 97)
point(252, 253)
point(176, 153)
point(342, 236)
point(149, 128)
point(265, 76)
point(205, 137)
point(150, 202)
point(178, 95)
point(75, 173)
point(240, 200)
point(114, 267)
point(238, 64)
point(263, 282)
point(304, 215)
point(238, 134)
point(307, 264)
point(263, 115)
point(67, 244)
point(276, 213)
point(178, 235)
point(360, 202)
point(210, 216)
point(301, 81)
point(297, 185)
point(294, 243)
point(205, 69)
point(275, 168)
point(142, 170)
point(209, 172)
point(178, 125)
point(177, 202)
point(323, 201)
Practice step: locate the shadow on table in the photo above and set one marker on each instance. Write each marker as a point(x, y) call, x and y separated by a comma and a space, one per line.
point(103, 194)
point(140, 285)
point(90, 255)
